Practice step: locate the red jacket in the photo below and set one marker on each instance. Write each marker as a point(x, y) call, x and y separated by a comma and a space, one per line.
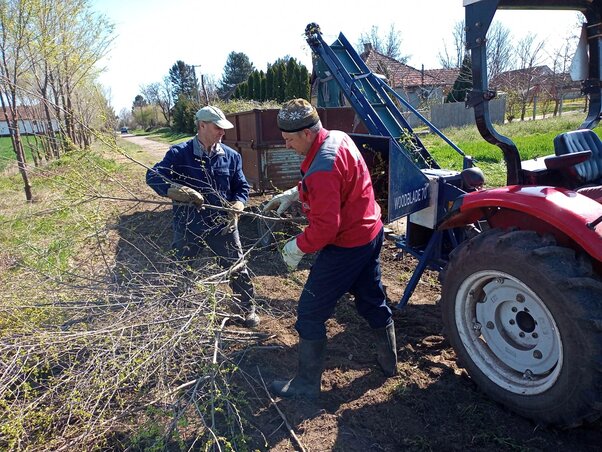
point(336, 194)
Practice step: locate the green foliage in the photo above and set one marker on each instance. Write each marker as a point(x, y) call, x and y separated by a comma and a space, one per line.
point(285, 79)
point(236, 71)
point(533, 139)
point(463, 83)
point(183, 81)
point(183, 115)
point(7, 154)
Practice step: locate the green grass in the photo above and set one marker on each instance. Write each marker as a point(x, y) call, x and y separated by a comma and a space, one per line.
point(7, 154)
point(164, 135)
point(532, 138)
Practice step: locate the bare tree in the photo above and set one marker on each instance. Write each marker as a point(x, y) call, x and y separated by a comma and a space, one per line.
point(15, 16)
point(388, 44)
point(452, 58)
point(528, 56)
point(499, 50)
point(561, 60)
point(159, 95)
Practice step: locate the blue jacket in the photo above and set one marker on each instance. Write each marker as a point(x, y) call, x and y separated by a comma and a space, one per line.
point(219, 179)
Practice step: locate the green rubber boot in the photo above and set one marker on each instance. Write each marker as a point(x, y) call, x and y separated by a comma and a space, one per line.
point(309, 373)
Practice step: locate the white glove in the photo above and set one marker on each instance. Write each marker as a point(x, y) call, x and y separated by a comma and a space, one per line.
point(292, 254)
point(233, 217)
point(282, 201)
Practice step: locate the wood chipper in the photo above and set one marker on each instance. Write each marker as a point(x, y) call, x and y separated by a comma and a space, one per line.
point(521, 265)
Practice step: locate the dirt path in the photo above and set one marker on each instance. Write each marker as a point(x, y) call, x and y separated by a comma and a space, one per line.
point(155, 148)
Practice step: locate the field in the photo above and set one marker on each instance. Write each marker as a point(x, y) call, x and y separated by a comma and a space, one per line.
point(106, 345)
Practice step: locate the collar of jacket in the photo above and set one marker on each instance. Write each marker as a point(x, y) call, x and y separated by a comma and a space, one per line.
point(198, 149)
point(313, 150)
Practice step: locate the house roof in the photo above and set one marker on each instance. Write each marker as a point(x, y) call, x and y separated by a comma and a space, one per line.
point(23, 113)
point(400, 75)
point(537, 76)
point(444, 76)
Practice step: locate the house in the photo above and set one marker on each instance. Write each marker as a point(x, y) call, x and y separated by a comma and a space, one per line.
point(414, 85)
point(30, 121)
point(536, 85)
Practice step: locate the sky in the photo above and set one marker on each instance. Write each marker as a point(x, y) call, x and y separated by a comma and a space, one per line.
point(151, 35)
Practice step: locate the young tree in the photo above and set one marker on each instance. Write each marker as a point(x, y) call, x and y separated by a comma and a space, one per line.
point(262, 86)
point(159, 94)
point(528, 54)
point(15, 16)
point(237, 70)
point(499, 49)
point(463, 83)
point(453, 58)
point(269, 83)
point(256, 85)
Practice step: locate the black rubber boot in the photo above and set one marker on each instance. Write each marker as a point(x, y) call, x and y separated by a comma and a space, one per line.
point(386, 349)
point(309, 374)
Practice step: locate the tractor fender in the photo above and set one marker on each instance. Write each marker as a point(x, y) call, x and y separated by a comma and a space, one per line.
point(558, 211)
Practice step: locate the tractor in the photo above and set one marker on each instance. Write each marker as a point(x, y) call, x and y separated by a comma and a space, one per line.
point(521, 265)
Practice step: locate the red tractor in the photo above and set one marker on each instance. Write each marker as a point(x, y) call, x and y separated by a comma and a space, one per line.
point(522, 300)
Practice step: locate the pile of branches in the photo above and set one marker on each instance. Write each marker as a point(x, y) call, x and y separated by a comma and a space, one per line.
point(124, 348)
point(153, 349)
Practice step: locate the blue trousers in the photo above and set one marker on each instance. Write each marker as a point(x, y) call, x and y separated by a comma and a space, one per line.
point(335, 272)
point(227, 247)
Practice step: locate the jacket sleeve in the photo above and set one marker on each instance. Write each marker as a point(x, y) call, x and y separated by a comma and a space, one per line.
point(159, 177)
point(324, 196)
point(239, 187)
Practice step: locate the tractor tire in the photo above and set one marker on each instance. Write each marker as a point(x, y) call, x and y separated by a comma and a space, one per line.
point(524, 316)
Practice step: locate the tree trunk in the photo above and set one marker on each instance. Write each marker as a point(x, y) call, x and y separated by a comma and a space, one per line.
point(15, 137)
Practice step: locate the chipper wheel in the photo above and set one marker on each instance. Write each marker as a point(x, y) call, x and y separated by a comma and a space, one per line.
point(524, 316)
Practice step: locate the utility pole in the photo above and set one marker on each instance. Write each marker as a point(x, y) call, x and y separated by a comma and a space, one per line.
point(202, 88)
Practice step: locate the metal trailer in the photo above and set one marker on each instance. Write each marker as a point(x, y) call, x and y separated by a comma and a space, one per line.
point(267, 164)
point(520, 265)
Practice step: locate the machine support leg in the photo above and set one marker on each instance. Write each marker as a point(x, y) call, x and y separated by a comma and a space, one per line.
point(423, 262)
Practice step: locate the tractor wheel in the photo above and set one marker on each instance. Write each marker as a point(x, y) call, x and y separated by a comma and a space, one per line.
point(525, 319)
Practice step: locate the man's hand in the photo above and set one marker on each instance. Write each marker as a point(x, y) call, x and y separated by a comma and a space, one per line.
point(282, 201)
point(292, 254)
point(233, 217)
point(181, 193)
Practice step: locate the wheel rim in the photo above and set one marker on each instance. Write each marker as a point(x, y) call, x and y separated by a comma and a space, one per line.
point(509, 332)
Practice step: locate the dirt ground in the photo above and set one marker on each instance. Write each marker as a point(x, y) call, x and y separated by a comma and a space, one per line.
point(431, 405)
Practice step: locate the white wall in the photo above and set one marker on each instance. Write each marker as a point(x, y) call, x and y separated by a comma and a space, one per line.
point(27, 127)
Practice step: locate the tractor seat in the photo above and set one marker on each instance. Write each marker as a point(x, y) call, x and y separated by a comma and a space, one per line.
point(590, 171)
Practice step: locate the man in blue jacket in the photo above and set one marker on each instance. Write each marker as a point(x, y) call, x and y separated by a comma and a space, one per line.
point(205, 171)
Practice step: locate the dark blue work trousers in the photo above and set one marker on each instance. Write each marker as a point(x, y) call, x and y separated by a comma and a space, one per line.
point(227, 247)
point(335, 272)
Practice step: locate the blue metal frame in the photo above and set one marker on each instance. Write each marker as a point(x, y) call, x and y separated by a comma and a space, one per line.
point(409, 187)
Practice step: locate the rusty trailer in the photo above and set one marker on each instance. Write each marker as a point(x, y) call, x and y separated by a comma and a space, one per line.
point(267, 164)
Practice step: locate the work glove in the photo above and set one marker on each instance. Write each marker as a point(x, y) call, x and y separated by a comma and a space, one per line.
point(233, 217)
point(181, 193)
point(292, 254)
point(282, 201)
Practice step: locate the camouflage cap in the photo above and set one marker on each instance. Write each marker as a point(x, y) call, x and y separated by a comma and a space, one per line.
point(296, 115)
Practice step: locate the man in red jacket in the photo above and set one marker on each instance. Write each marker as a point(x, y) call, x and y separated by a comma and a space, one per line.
point(345, 230)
